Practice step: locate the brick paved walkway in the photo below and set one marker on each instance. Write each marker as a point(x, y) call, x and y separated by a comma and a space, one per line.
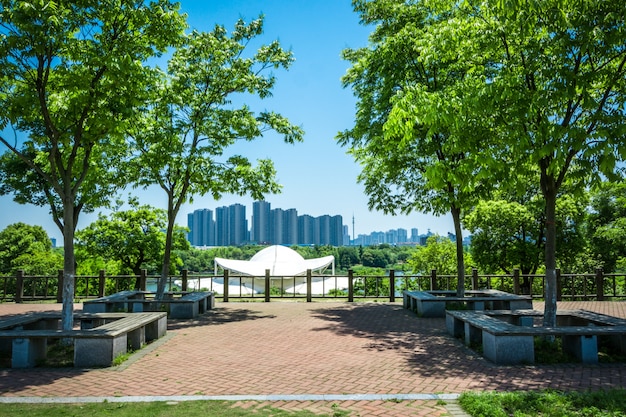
point(296, 350)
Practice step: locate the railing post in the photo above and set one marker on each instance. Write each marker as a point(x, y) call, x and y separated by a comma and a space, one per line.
point(60, 286)
point(559, 285)
point(226, 285)
point(516, 285)
point(433, 279)
point(142, 279)
point(19, 285)
point(600, 284)
point(101, 283)
point(350, 285)
point(267, 286)
point(475, 279)
point(184, 279)
point(392, 285)
point(309, 286)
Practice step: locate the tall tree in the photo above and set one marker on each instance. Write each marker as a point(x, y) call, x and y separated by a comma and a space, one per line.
point(551, 75)
point(71, 75)
point(192, 120)
point(418, 148)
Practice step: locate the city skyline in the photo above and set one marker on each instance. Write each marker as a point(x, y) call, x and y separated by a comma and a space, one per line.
point(231, 226)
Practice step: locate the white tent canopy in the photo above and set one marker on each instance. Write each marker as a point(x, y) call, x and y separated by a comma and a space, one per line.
point(280, 260)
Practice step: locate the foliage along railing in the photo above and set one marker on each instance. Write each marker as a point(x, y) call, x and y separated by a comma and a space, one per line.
point(597, 286)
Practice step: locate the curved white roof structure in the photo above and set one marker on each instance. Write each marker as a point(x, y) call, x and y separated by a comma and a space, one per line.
point(280, 260)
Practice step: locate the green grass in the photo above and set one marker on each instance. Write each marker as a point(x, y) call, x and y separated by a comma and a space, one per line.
point(152, 409)
point(545, 404)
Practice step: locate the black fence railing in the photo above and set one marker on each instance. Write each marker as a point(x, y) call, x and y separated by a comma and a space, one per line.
point(351, 287)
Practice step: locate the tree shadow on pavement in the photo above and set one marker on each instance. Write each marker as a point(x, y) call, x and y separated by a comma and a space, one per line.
point(429, 352)
point(218, 316)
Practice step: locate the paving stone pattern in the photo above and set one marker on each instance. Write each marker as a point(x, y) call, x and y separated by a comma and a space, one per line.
point(299, 349)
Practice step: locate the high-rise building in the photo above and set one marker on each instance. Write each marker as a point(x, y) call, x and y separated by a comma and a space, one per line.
point(290, 231)
point(277, 226)
point(201, 228)
point(306, 229)
point(260, 231)
point(238, 225)
point(336, 231)
point(222, 237)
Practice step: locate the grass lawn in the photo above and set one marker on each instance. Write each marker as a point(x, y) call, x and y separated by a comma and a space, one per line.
point(545, 404)
point(152, 409)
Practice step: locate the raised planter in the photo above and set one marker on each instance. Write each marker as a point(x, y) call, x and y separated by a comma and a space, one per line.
point(507, 337)
point(434, 303)
point(178, 305)
point(101, 337)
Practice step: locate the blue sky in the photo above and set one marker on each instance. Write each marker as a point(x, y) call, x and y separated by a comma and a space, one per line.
point(317, 175)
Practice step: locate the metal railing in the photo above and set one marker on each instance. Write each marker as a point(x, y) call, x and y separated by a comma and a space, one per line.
point(351, 287)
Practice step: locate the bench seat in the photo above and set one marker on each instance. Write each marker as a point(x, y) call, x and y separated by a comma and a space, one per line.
point(184, 305)
point(102, 338)
point(506, 343)
point(112, 303)
point(433, 303)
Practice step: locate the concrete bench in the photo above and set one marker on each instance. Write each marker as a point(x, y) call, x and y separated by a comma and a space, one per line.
point(433, 303)
point(185, 305)
point(191, 304)
point(179, 305)
point(504, 342)
point(112, 303)
point(102, 338)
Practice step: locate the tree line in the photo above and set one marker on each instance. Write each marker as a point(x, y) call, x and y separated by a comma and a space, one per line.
point(505, 235)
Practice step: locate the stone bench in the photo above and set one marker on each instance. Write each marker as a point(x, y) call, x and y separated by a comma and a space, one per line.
point(102, 337)
point(433, 303)
point(504, 342)
point(191, 305)
point(112, 303)
point(179, 305)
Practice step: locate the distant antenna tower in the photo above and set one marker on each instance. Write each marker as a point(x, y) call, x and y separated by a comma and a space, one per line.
point(353, 235)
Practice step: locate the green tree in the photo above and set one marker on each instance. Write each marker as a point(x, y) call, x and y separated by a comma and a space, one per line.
point(71, 75)
point(439, 254)
point(191, 121)
point(133, 237)
point(505, 235)
point(28, 248)
point(551, 79)
point(419, 149)
point(607, 225)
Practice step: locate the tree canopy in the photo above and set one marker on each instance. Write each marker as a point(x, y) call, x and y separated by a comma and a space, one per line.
point(417, 141)
point(183, 139)
point(544, 79)
point(28, 248)
point(553, 86)
point(71, 77)
point(134, 238)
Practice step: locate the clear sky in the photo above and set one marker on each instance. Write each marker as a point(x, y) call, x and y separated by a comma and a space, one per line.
point(317, 175)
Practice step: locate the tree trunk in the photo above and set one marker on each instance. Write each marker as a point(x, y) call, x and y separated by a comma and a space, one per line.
point(549, 189)
point(167, 255)
point(69, 267)
point(460, 261)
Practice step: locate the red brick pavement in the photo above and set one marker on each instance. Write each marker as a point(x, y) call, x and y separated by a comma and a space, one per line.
point(291, 348)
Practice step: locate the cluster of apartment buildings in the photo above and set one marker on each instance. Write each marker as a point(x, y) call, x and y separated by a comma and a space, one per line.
point(269, 226)
point(229, 227)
